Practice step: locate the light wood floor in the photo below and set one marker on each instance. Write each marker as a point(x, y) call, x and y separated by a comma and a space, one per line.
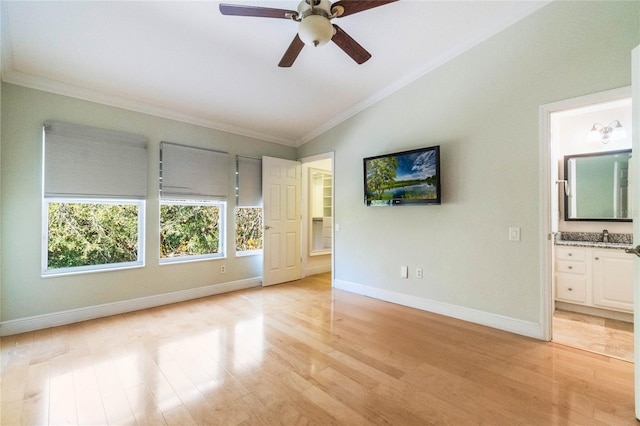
point(302, 353)
point(600, 335)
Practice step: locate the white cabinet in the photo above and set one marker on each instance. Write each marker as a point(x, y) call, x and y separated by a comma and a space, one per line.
point(601, 278)
point(326, 195)
point(326, 232)
point(571, 274)
point(612, 273)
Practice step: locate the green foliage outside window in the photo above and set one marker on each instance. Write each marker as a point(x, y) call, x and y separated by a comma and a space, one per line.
point(248, 228)
point(84, 234)
point(189, 230)
point(87, 234)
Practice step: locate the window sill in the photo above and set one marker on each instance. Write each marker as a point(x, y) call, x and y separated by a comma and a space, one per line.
point(189, 259)
point(248, 253)
point(52, 273)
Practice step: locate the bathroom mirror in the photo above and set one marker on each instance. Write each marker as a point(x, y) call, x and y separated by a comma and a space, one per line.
point(597, 186)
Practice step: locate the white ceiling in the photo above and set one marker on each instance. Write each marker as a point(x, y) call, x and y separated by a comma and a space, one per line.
point(184, 60)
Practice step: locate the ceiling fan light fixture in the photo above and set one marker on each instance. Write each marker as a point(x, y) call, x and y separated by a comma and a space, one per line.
point(315, 30)
point(314, 24)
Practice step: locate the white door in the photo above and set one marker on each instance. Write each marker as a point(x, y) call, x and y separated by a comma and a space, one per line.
point(281, 192)
point(635, 210)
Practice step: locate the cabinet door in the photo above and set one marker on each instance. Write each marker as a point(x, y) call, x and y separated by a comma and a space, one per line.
point(612, 280)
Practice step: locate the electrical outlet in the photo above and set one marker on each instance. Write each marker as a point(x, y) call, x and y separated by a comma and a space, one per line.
point(404, 271)
point(223, 269)
point(418, 272)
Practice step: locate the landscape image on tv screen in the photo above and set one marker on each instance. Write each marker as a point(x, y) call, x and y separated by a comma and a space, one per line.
point(409, 177)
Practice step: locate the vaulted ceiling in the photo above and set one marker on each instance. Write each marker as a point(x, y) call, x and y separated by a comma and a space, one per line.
point(184, 60)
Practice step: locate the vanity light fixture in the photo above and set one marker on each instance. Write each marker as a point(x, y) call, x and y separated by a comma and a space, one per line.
point(613, 132)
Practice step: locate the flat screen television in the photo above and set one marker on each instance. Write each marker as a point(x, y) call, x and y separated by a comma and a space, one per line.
point(403, 178)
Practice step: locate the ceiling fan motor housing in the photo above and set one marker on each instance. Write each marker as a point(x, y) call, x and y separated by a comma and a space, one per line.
point(315, 27)
point(314, 7)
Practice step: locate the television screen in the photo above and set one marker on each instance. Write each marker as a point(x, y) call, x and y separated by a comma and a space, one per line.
point(403, 178)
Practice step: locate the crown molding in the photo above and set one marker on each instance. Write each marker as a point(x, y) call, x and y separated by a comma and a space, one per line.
point(12, 76)
point(417, 74)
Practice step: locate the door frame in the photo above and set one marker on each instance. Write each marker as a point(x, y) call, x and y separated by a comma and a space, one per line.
point(547, 144)
point(304, 210)
point(635, 164)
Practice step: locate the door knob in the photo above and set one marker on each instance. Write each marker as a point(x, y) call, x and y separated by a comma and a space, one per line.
point(267, 227)
point(635, 250)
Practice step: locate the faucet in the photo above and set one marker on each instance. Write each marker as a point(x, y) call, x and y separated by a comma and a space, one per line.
point(605, 236)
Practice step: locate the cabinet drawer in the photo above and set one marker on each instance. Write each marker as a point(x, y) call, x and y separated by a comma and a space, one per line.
point(571, 267)
point(570, 253)
point(571, 288)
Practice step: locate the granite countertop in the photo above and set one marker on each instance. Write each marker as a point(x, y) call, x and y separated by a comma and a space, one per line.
point(594, 239)
point(596, 244)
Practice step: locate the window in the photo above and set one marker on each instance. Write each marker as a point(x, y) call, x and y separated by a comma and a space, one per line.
point(248, 229)
point(248, 212)
point(85, 235)
point(190, 229)
point(94, 186)
point(193, 191)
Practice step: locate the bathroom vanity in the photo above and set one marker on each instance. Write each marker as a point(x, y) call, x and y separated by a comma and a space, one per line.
point(592, 273)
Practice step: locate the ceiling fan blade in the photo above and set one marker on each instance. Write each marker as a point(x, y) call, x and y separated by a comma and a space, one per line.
point(350, 46)
point(354, 6)
point(292, 52)
point(261, 12)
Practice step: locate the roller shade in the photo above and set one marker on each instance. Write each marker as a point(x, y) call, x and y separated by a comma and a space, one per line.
point(249, 182)
point(88, 162)
point(190, 173)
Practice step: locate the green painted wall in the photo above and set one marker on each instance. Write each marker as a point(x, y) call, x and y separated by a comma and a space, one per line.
point(482, 108)
point(24, 293)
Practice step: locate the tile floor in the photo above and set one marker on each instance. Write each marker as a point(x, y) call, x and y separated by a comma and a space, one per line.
point(600, 335)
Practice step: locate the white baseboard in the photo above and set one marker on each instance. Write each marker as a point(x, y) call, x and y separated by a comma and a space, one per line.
point(317, 270)
point(590, 310)
point(39, 322)
point(500, 322)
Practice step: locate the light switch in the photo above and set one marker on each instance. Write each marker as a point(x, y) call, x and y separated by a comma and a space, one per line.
point(514, 233)
point(404, 271)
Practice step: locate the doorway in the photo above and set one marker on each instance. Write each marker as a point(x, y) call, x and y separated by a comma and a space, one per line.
point(577, 314)
point(317, 214)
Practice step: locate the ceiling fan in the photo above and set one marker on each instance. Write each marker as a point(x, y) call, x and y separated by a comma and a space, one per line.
point(315, 27)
